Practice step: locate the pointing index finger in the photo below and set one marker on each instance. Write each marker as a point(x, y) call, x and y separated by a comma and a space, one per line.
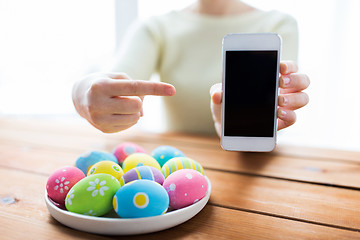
point(139, 88)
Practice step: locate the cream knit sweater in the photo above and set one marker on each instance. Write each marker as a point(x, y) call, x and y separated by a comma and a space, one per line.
point(185, 50)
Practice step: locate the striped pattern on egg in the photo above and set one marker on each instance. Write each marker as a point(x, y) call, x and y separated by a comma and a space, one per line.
point(178, 163)
point(142, 172)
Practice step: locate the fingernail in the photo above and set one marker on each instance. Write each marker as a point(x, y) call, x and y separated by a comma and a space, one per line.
point(285, 101)
point(170, 91)
point(286, 80)
point(282, 113)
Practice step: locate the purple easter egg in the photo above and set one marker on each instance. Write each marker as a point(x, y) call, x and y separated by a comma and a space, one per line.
point(142, 172)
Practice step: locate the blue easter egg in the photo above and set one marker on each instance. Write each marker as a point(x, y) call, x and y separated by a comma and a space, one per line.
point(85, 161)
point(164, 153)
point(141, 198)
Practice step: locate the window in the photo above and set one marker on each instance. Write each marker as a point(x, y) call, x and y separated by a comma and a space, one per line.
point(46, 46)
point(329, 52)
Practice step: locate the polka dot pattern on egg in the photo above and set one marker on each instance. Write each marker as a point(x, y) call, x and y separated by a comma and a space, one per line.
point(138, 188)
point(107, 167)
point(185, 187)
point(141, 198)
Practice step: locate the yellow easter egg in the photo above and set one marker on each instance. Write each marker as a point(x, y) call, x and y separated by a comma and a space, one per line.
point(108, 167)
point(140, 159)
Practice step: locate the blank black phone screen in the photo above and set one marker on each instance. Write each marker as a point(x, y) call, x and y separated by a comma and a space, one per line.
point(250, 85)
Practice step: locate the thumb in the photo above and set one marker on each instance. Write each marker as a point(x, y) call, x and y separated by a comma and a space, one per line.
point(215, 104)
point(216, 93)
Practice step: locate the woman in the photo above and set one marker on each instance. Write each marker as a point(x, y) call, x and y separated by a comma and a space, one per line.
point(184, 47)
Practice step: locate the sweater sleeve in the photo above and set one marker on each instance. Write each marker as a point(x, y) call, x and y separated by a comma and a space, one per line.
point(139, 52)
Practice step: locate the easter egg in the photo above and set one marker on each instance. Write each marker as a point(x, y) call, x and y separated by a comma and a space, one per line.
point(139, 159)
point(164, 153)
point(61, 206)
point(142, 172)
point(141, 198)
point(177, 163)
point(85, 161)
point(123, 150)
point(185, 187)
point(92, 195)
point(61, 181)
point(108, 167)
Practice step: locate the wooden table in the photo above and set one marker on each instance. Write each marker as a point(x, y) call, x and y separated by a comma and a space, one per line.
point(292, 193)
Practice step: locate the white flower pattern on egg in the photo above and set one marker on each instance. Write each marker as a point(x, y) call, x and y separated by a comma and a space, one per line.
point(97, 187)
point(70, 196)
point(61, 185)
point(172, 187)
point(90, 213)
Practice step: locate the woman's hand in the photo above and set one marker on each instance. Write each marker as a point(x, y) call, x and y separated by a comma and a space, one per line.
point(112, 102)
point(290, 98)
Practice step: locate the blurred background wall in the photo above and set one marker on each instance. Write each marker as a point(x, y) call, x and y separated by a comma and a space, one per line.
point(45, 46)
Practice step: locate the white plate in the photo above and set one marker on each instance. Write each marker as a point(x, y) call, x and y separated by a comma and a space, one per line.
point(111, 225)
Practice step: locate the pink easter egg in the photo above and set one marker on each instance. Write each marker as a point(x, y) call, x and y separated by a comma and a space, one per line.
point(61, 181)
point(61, 206)
point(185, 187)
point(125, 149)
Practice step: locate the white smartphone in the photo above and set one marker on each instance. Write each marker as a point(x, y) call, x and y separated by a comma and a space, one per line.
point(250, 79)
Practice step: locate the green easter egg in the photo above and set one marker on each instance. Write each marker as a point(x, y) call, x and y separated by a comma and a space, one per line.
point(92, 195)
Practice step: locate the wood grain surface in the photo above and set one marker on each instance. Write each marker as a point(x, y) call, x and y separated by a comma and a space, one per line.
point(291, 193)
